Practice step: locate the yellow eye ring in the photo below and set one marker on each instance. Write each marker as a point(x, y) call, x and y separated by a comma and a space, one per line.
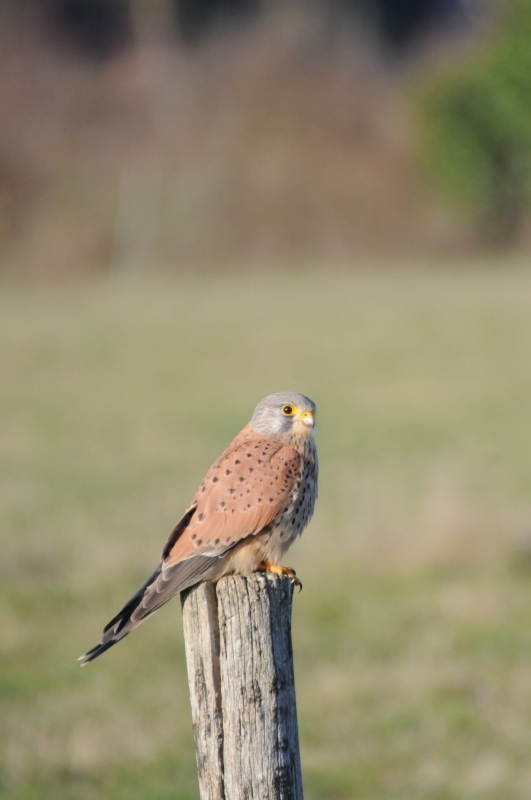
point(288, 410)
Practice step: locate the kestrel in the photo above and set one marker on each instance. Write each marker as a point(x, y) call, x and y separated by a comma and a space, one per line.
point(252, 504)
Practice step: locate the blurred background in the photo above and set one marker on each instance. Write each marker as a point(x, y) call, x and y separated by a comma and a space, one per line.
point(205, 202)
point(172, 134)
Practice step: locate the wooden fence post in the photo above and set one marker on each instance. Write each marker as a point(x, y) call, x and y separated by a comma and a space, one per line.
point(240, 672)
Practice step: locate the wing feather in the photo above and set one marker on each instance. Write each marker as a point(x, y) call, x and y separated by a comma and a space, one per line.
point(244, 491)
point(170, 581)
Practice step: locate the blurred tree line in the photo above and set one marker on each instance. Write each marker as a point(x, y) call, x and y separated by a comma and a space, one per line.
point(191, 131)
point(100, 27)
point(476, 117)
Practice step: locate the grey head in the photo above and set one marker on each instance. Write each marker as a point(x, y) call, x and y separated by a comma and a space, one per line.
point(284, 414)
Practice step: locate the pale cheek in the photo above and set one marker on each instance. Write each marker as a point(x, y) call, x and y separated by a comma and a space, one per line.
point(279, 425)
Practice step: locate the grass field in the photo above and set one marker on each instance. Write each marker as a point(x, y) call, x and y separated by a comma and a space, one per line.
point(413, 633)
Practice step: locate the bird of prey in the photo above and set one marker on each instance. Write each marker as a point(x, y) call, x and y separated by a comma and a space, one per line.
point(252, 504)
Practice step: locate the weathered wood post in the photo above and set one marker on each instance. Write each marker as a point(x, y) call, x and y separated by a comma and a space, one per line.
point(240, 672)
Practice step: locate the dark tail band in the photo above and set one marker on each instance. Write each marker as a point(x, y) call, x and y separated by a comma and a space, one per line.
point(114, 630)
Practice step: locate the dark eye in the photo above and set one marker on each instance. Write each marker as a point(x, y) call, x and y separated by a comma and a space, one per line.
point(288, 411)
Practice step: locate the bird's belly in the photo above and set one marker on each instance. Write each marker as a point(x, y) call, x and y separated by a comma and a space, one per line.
point(244, 558)
point(277, 544)
point(251, 551)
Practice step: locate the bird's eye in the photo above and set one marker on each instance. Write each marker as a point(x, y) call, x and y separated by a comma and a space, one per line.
point(288, 411)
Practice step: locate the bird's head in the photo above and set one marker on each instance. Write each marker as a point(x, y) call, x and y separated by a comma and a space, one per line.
point(287, 415)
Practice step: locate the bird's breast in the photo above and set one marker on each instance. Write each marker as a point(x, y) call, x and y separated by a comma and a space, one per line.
point(297, 514)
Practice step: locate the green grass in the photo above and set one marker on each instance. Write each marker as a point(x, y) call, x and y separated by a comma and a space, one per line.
point(413, 633)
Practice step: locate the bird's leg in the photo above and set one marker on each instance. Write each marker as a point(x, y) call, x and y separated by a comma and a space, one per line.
point(267, 566)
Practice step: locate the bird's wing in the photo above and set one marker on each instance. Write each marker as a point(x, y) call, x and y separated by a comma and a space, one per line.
point(246, 488)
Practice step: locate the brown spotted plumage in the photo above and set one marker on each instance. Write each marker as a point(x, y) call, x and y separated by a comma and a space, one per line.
point(253, 502)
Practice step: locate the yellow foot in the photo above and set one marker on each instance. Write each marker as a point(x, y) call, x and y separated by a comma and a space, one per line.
point(267, 566)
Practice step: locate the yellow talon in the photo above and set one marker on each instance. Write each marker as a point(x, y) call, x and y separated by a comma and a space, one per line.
point(267, 566)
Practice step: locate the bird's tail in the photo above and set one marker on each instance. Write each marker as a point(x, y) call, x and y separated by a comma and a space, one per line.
point(121, 624)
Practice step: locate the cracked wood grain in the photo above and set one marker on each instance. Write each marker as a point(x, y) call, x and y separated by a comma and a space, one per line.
point(240, 667)
point(201, 639)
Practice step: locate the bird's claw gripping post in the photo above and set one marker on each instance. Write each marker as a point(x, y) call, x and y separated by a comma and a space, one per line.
point(266, 566)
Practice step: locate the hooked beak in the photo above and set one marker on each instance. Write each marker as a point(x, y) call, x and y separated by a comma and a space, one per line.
point(308, 419)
